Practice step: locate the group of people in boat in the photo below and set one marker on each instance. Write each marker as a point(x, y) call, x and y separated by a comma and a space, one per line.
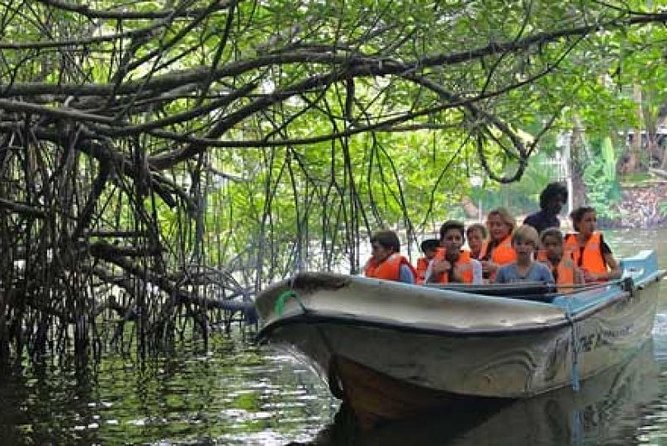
point(501, 252)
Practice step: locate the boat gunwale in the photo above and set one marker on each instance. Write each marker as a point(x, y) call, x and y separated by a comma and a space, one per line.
point(315, 317)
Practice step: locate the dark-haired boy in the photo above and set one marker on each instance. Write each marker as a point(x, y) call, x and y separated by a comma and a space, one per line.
point(386, 261)
point(451, 263)
point(428, 248)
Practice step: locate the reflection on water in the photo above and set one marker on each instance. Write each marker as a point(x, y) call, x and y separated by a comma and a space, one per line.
point(625, 242)
point(233, 394)
point(608, 409)
point(236, 393)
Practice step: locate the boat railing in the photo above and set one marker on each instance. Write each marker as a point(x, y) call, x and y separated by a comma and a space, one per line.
point(641, 266)
point(539, 291)
point(636, 270)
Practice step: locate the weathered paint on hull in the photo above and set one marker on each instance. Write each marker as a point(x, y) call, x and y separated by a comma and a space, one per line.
point(511, 366)
point(436, 346)
point(601, 412)
point(375, 397)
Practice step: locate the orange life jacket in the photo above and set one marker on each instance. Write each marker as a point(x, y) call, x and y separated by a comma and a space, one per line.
point(502, 254)
point(463, 263)
point(564, 272)
point(590, 256)
point(389, 269)
point(422, 266)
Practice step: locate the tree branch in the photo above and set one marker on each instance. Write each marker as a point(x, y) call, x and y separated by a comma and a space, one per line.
point(357, 65)
point(127, 15)
point(22, 209)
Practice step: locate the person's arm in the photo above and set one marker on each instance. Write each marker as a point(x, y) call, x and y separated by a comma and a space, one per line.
point(489, 267)
point(500, 276)
point(455, 275)
point(530, 220)
point(428, 274)
point(614, 268)
point(547, 275)
point(614, 271)
point(405, 274)
point(436, 269)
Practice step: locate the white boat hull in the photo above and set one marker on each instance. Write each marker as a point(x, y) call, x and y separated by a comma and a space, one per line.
point(458, 344)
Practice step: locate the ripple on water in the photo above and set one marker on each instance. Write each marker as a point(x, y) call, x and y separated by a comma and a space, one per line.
point(660, 325)
point(235, 395)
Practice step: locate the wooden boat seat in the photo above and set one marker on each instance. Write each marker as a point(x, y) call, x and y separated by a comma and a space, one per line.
point(537, 291)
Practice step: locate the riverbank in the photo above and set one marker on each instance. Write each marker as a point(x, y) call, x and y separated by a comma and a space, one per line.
point(642, 205)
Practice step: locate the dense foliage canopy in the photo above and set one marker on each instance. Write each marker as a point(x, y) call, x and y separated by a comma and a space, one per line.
point(191, 151)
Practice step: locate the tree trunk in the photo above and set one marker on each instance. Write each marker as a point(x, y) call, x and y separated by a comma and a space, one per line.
point(578, 156)
point(469, 208)
point(630, 161)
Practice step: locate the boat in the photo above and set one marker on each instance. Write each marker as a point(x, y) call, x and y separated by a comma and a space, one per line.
point(391, 350)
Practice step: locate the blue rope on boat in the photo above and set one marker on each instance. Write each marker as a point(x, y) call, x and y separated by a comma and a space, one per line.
point(574, 371)
point(577, 427)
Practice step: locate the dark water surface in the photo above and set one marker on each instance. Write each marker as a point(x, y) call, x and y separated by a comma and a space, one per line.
point(236, 393)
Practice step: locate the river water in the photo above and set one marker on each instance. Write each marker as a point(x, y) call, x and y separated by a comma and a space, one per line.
point(237, 393)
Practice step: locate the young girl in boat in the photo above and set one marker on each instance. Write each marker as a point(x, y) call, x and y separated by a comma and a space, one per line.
point(386, 262)
point(498, 250)
point(588, 248)
point(552, 254)
point(524, 269)
point(429, 248)
point(476, 235)
point(451, 264)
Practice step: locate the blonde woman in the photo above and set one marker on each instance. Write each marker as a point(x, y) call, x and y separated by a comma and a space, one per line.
point(498, 251)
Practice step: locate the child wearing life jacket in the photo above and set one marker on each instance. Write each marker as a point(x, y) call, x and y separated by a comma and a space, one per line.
point(386, 262)
point(451, 263)
point(429, 248)
point(588, 248)
point(524, 269)
point(498, 251)
point(565, 271)
point(476, 235)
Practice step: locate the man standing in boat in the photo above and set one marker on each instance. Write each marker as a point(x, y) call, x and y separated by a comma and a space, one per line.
point(552, 199)
point(452, 264)
point(386, 261)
